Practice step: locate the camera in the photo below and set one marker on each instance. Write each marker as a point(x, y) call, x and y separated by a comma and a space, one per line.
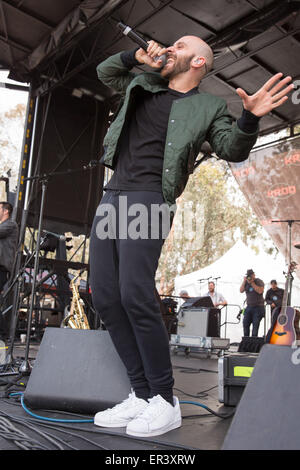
point(249, 274)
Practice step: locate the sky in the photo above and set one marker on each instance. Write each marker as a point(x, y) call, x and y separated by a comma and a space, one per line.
point(10, 98)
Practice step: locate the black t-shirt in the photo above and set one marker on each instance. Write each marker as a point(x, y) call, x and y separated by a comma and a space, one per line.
point(274, 296)
point(253, 298)
point(141, 149)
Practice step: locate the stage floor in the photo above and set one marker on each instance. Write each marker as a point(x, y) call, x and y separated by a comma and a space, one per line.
point(194, 375)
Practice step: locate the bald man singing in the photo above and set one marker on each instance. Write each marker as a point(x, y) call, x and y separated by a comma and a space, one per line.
point(151, 145)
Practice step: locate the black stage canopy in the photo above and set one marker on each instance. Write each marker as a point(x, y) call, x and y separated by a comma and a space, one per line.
point(56, 45)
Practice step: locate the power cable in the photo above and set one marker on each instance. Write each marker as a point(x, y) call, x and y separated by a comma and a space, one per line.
point(201, 394)
point(191, 370)
point(53, 420)
point(10, 432)
point(219, 415)
point(63, 423)
point(25, 421)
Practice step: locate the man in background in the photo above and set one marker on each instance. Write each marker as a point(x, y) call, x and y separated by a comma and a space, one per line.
point(184, 295)
point(8, 245)
point(216, 297)
point(274, 296)
point(255, 310)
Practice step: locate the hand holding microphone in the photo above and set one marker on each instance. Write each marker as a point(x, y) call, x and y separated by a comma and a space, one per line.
point(154, 56)
point(151, 53)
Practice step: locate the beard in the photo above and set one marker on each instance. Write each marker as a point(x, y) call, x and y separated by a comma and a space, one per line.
point(170, 70)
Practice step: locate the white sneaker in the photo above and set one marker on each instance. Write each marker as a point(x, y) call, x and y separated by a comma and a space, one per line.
point(121, 414)
point(158, 418)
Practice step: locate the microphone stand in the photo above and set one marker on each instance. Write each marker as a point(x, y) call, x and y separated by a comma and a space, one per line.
point(216, 281)
point(15, 308)
point(290, 223)
point(202, 280)
point(25, 367)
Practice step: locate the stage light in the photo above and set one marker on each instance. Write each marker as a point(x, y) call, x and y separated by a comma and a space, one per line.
point(77, 93)
point(99, 97)
point(87, 92)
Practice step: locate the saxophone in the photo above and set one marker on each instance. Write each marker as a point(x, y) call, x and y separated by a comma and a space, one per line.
point(76, 317)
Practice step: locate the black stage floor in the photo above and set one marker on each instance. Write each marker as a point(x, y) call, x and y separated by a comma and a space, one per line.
point(194, 374)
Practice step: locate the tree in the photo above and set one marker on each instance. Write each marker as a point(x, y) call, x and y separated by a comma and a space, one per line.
point(211, 213)
point(11, 136)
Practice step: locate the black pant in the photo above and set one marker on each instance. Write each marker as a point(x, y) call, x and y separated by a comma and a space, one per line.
point(253, 315)
point(3, 320)
point(3, 277)
point(122, 272)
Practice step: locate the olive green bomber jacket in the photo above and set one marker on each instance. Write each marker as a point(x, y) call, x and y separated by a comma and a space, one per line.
point(192, 121)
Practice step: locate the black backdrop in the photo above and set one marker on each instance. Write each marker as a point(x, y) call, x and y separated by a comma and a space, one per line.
point(69, 139)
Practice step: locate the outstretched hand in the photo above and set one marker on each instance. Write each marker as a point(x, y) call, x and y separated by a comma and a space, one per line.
point(268, 97)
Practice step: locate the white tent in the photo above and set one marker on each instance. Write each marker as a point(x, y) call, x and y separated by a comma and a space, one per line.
point(230, 270)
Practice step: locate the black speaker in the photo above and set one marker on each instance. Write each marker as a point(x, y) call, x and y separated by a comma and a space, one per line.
point(268, 414)
point(78, 371)
point(252, 344)
point(213, 328)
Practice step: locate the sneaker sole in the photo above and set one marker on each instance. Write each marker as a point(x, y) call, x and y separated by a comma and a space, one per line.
point(158, 432)
point(120, 424)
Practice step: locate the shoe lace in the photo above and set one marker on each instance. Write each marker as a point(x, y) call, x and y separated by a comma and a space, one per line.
point(125, 403)
point(156, 405)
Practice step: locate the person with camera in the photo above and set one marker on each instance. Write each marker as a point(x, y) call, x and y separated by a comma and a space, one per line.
point(255, 310)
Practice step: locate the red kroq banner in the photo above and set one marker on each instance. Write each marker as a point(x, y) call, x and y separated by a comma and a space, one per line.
point(270, 181)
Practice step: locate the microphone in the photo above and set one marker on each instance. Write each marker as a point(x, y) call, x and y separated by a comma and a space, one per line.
point(206, 279)
point(127, 31)
point(60, 237)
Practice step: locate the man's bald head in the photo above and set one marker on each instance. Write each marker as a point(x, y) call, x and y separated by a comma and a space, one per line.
point(201, 49)
point(189, 54)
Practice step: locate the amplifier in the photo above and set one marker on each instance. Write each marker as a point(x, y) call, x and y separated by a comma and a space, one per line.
point(201, 321)
point(234, 371)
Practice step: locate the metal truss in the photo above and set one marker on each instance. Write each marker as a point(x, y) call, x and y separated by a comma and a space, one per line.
point(76, 58)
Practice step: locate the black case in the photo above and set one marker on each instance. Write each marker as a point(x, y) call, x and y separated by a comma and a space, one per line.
point(231, 386)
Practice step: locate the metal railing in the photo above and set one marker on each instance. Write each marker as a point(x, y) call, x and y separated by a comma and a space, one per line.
point(267, 320)
point(226, 322)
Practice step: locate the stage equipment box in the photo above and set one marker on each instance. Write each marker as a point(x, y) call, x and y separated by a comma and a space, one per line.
point(199, 342)
point(200, 321)
point(234, 371)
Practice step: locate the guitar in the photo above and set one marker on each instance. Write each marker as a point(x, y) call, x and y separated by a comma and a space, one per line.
point(284, 333)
